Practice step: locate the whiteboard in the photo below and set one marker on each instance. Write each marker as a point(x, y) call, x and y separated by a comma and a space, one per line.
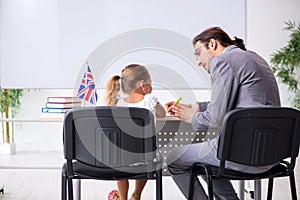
point(47, 44)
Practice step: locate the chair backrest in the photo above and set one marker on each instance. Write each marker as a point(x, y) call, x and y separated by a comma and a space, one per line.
point(107, 136)
point(260, 136)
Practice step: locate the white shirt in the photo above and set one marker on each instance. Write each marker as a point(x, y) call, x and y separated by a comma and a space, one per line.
point(149, 102)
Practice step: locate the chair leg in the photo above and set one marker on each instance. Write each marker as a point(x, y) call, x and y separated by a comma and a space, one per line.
point(70, 189)
point(270, 188)
point(159, 195)
point(63, 187)
point(191, 188)
point(209, 182)
point(210, 187)
point(293, 186)
point(1, 189)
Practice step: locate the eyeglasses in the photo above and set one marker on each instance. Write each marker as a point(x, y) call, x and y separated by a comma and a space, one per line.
point(197, 52)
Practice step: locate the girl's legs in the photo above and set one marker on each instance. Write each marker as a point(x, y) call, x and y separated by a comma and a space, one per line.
point(139, 186)
point(123, 186)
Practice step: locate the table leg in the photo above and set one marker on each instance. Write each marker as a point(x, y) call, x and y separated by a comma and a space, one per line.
point(241, 189)
point(257, 189)
point(77, 189)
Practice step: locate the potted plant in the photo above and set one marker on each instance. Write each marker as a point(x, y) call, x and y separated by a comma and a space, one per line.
point(9, 105)
point(286, 62)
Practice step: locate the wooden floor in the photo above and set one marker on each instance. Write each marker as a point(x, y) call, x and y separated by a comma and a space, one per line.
point(37, 176)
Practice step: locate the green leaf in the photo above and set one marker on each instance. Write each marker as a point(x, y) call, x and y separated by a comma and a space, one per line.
point(286, 61)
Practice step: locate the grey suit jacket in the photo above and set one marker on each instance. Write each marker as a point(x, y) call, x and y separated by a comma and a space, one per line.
point(238, 79)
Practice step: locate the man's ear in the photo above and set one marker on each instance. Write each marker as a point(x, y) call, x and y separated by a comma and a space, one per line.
point(212, 44)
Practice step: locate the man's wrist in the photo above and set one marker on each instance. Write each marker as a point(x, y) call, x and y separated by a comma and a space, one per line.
point(195, 107)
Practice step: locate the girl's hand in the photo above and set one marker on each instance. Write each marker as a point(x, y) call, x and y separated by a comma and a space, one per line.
point(169, 107)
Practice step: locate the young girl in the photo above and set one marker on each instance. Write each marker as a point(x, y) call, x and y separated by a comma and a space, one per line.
point(135, 82)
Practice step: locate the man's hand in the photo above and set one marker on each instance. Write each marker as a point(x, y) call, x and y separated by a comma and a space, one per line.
point(183, 111)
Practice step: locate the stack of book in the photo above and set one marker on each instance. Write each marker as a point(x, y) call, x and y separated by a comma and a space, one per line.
point(60, 105)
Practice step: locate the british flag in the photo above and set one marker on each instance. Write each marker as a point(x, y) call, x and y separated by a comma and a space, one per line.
point(87, 90)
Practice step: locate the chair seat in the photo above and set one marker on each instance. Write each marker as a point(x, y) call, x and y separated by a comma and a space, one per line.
point(277, 171)
point(129, 172)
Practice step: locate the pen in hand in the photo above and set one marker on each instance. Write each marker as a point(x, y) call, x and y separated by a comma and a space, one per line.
point(178, 100)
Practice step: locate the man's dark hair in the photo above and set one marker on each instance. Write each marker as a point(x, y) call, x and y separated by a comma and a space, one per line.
point(218, 34)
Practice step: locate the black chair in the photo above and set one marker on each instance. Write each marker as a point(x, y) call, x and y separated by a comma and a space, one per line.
point(110, 143)
point(255, 137)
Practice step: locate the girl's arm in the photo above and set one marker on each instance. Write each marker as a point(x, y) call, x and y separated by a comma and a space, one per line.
point(160, 110)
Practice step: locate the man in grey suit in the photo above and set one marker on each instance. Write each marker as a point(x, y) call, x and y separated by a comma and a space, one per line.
point(239, 78)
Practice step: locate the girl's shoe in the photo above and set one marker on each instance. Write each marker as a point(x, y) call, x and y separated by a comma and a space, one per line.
point(113, 195)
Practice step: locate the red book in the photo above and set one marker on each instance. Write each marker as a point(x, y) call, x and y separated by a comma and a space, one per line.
point(63, 100)
point(63, 105)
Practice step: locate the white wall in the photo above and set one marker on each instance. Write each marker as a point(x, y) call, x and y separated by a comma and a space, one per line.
point(53, 38)
point(265, 34)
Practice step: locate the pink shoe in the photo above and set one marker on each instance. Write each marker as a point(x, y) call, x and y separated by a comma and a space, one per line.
point(113, 195)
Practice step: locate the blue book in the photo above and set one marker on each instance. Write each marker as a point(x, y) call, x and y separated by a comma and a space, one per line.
point(55, 110)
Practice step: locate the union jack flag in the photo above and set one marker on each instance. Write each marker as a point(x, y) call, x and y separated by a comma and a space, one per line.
point(87, 90)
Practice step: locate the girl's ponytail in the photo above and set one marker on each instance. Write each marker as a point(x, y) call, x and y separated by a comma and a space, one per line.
point(112, 91)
